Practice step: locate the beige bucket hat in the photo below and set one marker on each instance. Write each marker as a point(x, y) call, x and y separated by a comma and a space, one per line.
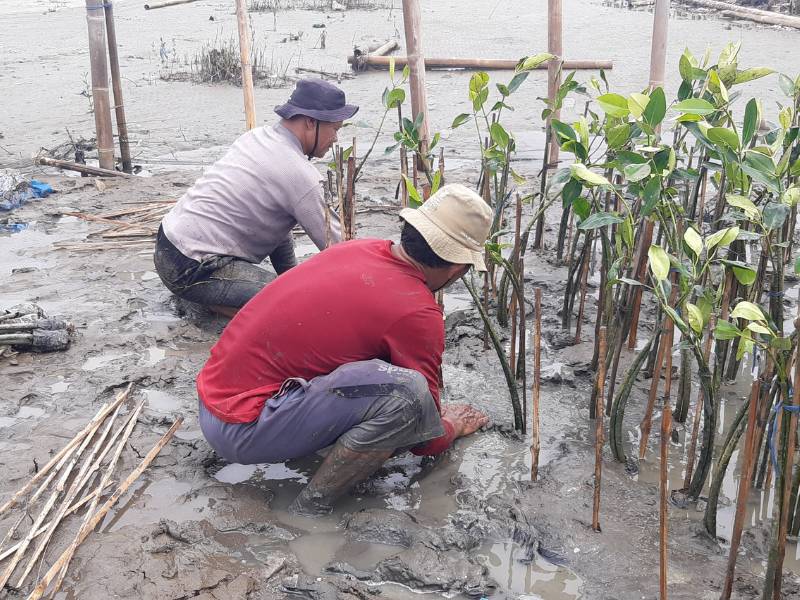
point(455, 222)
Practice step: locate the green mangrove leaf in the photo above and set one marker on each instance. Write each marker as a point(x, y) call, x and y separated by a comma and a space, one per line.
point(761, 168)
point(745, 345)
point(651, 194)
point(617, 136)
point(460, 120)
point(571, 191)
point(626, 230)
point(563, 131)
point(499, 135)
point(723, 237)
point(715, 84)
point(786, 85)
point(659, 262)
point(480, 99)
point(477, 82)
point(503, 89)
point(748, 310)
point(656, 108)
point(531, 62)
point(395, 98)
point(636, 172)
point(751, 118)
point(614, 105)
point(723, 137)
point(751, 74)
point(629, 281)
point(600, 219)
point(745, 204)
point(581, 127)
point(791, 196)
point(695, 317)
point(517, 81)
point(745, 275)
point(725, 330)
point(780, 343)
point(685, 68)
point(676, 318)
point(756, 328)
point(695, 106)
point(694, 241)
point(637, 103)
point(413, 195)
point(774, 215)
point(582, 172)
point(785, 117)
point(797, 266)
point(581, 207)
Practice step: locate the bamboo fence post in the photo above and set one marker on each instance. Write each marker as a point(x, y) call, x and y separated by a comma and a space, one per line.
point(116, 86)
point(412, 21)
point(598, 429)
point(556, 48)
point(537, 381)
point(66, 556)
point(658, 48)
point(243, 23)
point(744, 489)
point(95, 20)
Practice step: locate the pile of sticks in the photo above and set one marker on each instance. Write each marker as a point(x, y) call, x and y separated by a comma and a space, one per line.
point(78, 475)
point(126, 227)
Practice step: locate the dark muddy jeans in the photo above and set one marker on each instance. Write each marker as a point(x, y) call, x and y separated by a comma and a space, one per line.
point(217, 280)
point(366, 405)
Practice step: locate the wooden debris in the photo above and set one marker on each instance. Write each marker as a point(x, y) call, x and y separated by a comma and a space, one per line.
point(379, 62)
point(71, 166)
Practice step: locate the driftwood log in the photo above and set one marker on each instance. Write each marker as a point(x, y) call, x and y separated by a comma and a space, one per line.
point(751, 14)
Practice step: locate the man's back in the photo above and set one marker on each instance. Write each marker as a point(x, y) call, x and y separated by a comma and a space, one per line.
point(355, 301)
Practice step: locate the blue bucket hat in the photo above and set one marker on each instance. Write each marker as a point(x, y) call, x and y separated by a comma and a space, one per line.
point(319, 100)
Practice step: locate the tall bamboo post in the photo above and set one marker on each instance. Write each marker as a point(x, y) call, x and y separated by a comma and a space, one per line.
point(412, 21)
point(556, 48)
point(243, 21)
point(95, 21)
point(658, 48)
point(116, 86)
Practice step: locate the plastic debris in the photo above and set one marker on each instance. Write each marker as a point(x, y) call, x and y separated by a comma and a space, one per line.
point(16, 190)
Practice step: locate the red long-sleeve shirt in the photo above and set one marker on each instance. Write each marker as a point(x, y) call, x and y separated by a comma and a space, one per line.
point(355, 301)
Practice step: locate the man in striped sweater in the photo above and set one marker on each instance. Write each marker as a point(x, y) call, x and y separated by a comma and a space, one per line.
point(242, 209)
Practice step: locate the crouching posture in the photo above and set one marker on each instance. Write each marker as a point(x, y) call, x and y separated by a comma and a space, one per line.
point(345, 349)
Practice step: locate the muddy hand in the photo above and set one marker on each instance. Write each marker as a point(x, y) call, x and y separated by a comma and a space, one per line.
point(465, 418)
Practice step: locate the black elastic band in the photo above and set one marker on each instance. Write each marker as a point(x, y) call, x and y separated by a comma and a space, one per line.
point(316, 141)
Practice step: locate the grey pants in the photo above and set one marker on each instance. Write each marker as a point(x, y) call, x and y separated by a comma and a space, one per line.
point(217, 280)
point(366, 405)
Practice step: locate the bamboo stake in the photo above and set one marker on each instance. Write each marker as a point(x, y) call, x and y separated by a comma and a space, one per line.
point(664, 344)
point(744, 489)
point(126, 431)
point(48, 506)
point(80, 480)
point(412, 21)
point(66, 556)
point(666, 417)
point(554, 67)
point(75, 507)
point(537, 381)
point(155, 5)
point(73, 443)
point(242, 20)
point(116, 85)
point(598, 430)
point(489, 64)
point(71, 166)
point(95, 21)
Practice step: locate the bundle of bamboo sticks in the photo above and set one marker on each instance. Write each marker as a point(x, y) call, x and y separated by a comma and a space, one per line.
point(79, 474)
point(141, 220)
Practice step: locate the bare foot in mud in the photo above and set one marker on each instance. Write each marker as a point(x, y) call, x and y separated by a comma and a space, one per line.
point(465, 418)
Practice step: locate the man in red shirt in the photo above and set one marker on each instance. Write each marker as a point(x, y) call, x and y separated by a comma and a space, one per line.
point(345, 349)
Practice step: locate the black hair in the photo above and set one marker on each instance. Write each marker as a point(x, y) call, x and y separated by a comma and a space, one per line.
point(418, 249)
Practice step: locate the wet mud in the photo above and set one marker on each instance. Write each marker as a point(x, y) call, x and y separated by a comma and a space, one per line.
point(468, 524)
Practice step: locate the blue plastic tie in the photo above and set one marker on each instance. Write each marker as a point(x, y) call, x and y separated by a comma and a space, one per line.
point(777, 294)
point(100, 6)
point(773, 427)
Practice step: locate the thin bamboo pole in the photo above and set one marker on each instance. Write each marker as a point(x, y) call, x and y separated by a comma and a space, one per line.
point(489, 64)
point(537, 382)
point(556, 48)
point(598, 430)
point(95, 20)
point(663, 346)
point(744, 489)
point(155, 5)
point(666, 417)
point(698, 410)
point(98, 516)
point(584, 280)
point(80, 168)
point(116, 86)
point(243, 22)
point(412, 21)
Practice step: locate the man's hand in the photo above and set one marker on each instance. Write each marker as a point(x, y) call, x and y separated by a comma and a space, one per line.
point(466, 419)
